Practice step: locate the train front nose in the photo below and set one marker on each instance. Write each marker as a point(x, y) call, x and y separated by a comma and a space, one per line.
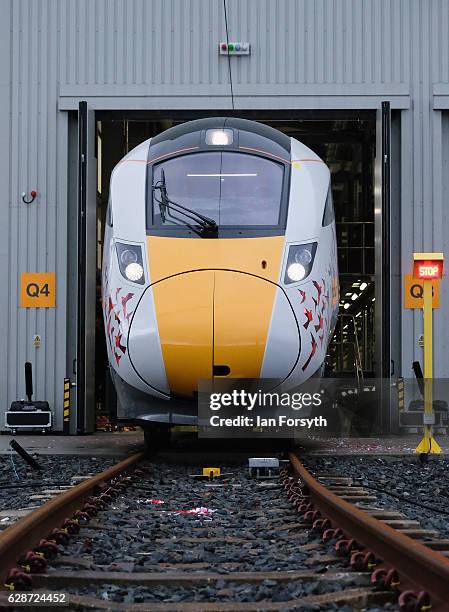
point(218, 323)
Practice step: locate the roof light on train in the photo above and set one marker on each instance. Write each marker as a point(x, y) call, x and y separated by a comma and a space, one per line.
point(219, 137)
point(134, 272)
point(363, 286)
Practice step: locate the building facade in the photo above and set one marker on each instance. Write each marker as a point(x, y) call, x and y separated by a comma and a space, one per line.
point(149, 59)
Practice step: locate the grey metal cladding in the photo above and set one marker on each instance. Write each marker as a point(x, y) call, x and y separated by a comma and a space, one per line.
point(163, 54)
point(309, 48)
point(37, 154)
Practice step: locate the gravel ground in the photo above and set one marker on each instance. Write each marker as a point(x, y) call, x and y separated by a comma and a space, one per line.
point(18, 481)
point(145, 535)
point(409, 481)
point(268, 590)
point(238, 510)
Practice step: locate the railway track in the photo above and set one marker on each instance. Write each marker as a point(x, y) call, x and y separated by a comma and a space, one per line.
point(9, 516)
point(145, 536)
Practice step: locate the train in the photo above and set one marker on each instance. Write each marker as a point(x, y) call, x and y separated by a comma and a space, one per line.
point(219, 261)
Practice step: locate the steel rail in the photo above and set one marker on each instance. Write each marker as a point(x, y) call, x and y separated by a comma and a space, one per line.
point(413, 561)
point(29, 530)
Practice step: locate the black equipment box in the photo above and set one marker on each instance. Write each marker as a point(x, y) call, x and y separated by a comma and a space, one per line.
point(23, 406)
point(20, 419)
point(28, 414)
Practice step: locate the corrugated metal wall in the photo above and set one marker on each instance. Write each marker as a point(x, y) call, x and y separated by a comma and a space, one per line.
point(147, 54)
point(174, 42)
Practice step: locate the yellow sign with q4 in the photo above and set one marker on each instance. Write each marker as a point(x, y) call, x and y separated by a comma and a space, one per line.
point(37, 290)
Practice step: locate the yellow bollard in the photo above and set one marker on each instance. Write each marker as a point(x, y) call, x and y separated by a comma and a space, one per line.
point(427, 271)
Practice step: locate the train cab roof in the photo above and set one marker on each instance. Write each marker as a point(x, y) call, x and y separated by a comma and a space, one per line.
point(244, 136)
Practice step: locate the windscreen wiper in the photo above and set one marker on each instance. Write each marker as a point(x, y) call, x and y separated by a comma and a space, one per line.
point(208, 227)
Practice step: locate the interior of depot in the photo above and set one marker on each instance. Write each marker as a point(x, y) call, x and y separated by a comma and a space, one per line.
point(347, 146)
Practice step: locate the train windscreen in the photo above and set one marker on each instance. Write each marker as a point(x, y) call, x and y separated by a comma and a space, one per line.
point(230, 189)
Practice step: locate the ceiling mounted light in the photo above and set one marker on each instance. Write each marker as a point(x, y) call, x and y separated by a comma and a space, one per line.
point(219, 137)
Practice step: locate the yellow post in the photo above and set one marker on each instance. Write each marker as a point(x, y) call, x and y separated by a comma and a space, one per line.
point(66, 414)
point(428, 444)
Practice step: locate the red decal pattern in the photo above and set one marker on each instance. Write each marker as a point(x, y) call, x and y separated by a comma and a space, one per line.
point(117, 316)
point(125, 300)
point(309, 317)
point(312, 352)
point(320, 323)
point(317, 316)
point(318, 288)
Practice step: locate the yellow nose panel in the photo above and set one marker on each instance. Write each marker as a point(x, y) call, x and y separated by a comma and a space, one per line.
point(213, 301)
point(184, 310)
point(260, 256)
point(242, 314)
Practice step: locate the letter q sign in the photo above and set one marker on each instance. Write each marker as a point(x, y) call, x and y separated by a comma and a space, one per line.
point(37, 290)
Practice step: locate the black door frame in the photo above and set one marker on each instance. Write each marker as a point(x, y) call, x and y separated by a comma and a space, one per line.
point(86, 278)
point(86, 178)
point(387, 368)
point(82, 204)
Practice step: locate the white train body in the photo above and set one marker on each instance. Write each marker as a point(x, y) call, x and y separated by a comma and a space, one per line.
point(236, 278)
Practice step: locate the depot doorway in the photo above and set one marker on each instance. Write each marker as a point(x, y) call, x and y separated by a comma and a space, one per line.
point(351, 143)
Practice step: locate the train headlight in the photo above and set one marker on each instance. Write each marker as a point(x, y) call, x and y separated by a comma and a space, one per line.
point(296, 272)
point(303, 257)
point(130, 262)
point(128, 257)
point(134, 272)
point(299, 262)
point(219, 137)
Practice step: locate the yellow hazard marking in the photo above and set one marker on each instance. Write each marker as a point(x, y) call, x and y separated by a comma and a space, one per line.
point(400, 389)
point(428, 445)
point(211, 471)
